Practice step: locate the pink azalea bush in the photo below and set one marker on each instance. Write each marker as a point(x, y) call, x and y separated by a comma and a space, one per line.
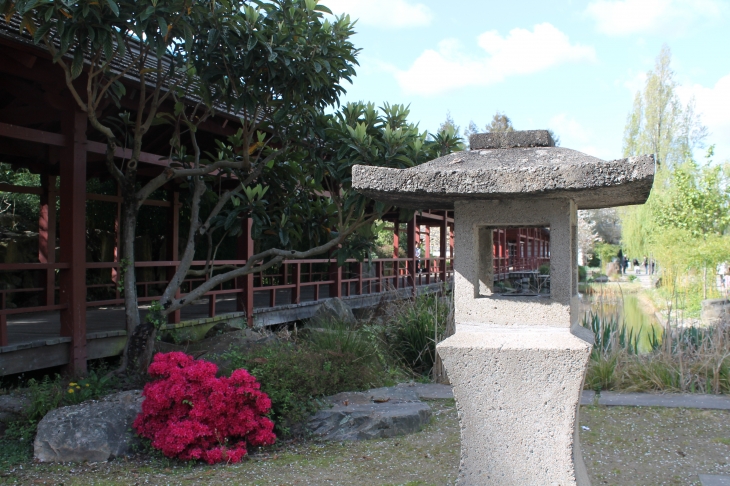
point(189, 413)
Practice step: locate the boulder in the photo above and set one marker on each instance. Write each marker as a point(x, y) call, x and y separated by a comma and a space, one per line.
point(11, 407)
point(715, 312)
point(333, 310)
point(92, 431)
point(378, 413)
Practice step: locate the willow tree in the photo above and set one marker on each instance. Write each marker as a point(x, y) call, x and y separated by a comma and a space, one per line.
point(658, 124)
point(274, 64)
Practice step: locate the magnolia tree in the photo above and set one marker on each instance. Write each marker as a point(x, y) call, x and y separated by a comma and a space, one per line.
point(276, 65)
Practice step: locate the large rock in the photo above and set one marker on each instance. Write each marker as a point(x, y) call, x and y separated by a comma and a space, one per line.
point(92, 431)
point(11, 407)
point(333, 310)
point(378, 413)
point(715, 312)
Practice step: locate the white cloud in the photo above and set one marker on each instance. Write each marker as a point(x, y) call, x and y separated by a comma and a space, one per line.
point(632, 81)
point(713, 104)
point(520, 52)
point(622, 17)
point(569, 130)
point(387, 14)
point(573, 134)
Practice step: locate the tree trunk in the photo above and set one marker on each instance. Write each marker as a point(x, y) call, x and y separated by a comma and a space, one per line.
point(137, 352)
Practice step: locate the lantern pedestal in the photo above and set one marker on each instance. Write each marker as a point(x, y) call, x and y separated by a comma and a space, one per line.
point(517, 392)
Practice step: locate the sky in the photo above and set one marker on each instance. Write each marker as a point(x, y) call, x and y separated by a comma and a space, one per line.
point(568, 65)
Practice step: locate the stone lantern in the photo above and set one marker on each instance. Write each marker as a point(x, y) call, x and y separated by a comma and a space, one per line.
point(517, 361)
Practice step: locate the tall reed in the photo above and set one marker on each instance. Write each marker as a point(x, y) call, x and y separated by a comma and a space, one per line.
point(681, 359)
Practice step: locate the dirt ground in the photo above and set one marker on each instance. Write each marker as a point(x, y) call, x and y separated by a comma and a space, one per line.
point(622, 446)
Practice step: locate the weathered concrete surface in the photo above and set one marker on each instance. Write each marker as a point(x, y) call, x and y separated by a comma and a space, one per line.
point(475, 305)
point(542, 172)
point(517, 393)
point(714, 480)
point(516, 139)
point(671, 400)
point(374, 414)
point(91, 431)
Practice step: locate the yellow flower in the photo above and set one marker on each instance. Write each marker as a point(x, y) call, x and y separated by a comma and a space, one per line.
point(72, 384)
point(78, 387)
point(70, 390)
point(87, 384)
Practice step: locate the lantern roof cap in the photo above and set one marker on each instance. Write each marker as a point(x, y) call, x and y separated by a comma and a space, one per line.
point(511, 165)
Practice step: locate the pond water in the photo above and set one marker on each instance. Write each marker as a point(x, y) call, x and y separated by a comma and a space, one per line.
point(624, 307)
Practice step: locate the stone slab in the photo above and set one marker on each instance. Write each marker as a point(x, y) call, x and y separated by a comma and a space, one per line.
point(542, 172)
point(507, 140)
point(360, 421)
point(672, 400)
point(714, 480)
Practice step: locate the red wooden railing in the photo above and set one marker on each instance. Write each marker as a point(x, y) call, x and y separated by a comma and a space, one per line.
point(352, 279)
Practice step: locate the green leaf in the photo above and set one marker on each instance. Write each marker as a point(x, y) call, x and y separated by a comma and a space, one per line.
point(322, 8)
point(113, 6)
point(41, 31)
point(78, 63)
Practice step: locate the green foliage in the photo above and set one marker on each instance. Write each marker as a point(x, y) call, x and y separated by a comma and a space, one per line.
point(544, 269)
point(297, 375)
point(414, 328)
point(606, 253)
point(658, 124)
point(500, 123)
point(695, 360)
point(22, 209)
point(44, 395)
point(582, 273)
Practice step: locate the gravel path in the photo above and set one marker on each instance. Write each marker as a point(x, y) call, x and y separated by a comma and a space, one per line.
point(622, 446)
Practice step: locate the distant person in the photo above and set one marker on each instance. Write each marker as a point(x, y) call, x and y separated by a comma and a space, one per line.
point(652, 266)
point(418, 258)
point(620, 258)
point(625, 264)
point(646, 266)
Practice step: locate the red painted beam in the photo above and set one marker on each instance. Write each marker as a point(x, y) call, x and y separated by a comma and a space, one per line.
point(119, 199)
point(31, 135)
point(21, 189)
point(122, 153)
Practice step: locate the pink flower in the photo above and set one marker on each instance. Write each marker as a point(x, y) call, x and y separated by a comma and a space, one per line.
point(191, 414)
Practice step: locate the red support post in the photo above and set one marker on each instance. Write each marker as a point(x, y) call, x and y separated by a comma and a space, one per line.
point(244, 251)
point(336, 277)
point(396, 253)
point(117, 242)
point(173, 246)
point(427, 253)
point(442, 246)
point(3, 322)
point(359, 278)
point(296, 293)
point(411, 239)
point(47, 234)
point(211, 305)
point(73, 238)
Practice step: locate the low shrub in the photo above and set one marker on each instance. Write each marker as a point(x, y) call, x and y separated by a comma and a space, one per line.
point(189, 413)
point(334, 358)
point(414, 327)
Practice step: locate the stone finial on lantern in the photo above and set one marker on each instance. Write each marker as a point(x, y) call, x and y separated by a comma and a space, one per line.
point(517, 360)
